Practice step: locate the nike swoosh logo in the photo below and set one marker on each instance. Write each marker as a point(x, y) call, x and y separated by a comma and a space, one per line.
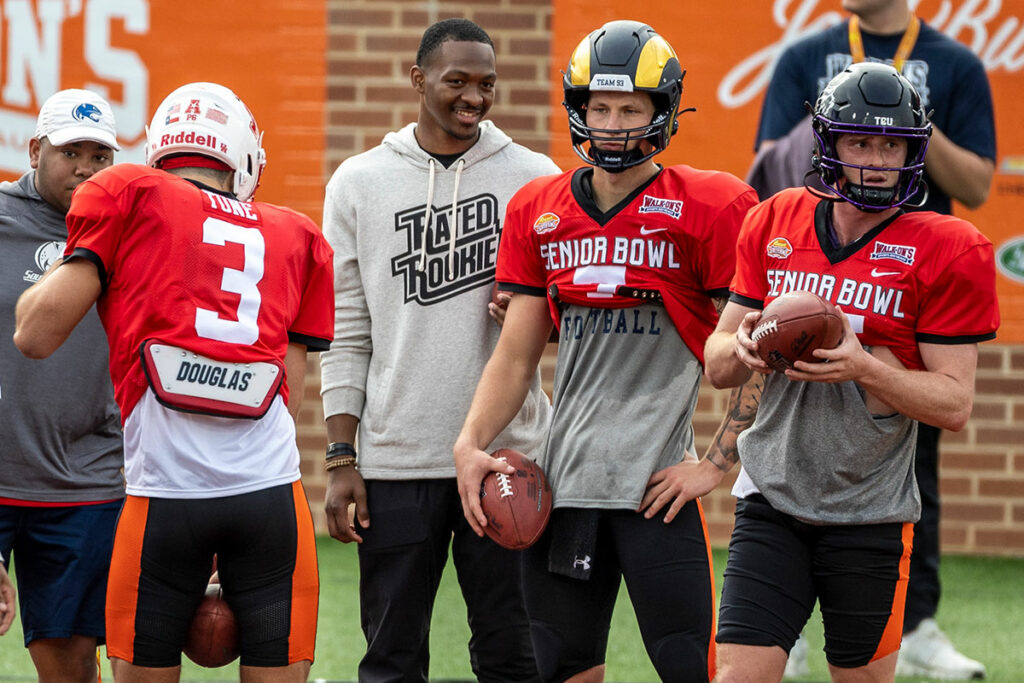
point(875, 272)
point(644, 230)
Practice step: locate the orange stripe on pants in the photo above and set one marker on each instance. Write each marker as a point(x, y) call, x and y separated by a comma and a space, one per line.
point(893, 634)
point(123, 581)
point(305, 583)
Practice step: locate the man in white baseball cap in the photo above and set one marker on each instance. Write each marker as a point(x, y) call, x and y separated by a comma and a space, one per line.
point(60, 486)
point(74, 138)
point(74, 115)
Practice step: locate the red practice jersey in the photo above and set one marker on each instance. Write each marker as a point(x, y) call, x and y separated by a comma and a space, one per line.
point(916, 277)
point(197, 269)
point(672, 239)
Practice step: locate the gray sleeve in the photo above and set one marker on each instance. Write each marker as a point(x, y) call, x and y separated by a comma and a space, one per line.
point(345, 365)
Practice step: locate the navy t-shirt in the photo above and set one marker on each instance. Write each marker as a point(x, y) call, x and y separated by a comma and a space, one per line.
point(949, 77)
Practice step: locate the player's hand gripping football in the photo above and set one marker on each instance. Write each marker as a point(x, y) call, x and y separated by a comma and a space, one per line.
point(677, 485)
point(471, 466)
point(848, 361)
point(345, 488)
point(745, 347)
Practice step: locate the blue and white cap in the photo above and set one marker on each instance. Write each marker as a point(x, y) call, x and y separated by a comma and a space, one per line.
point(75, 115)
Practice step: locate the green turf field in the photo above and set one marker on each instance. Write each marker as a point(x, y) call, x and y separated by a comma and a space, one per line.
point(982, 610)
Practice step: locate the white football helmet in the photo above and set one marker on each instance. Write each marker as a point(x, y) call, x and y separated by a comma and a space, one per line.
point(209, 120)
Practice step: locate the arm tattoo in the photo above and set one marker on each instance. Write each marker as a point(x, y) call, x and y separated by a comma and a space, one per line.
point(743, 403)
point(719, 303)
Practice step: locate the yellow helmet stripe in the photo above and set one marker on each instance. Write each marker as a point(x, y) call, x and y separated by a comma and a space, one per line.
point(653, 57)
point(579, 64)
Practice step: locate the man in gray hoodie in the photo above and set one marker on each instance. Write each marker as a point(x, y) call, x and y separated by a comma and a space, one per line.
point(60, 485)
point(415, 224)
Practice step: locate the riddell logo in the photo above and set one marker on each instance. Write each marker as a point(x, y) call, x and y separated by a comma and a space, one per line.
point(189, 138)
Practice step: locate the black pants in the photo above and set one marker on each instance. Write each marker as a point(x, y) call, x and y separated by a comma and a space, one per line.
point(668, 574)
point(404, 552)
point(923, 589)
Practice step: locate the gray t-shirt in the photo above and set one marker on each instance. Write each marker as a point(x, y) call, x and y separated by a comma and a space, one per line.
point(624, 393)
point(60, 430)
point(816, 453)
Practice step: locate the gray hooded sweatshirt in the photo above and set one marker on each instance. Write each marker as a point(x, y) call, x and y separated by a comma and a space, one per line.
point(411, 332)
point(60, 430)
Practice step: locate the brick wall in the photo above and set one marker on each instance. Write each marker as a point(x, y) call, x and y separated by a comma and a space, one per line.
point(371, 46)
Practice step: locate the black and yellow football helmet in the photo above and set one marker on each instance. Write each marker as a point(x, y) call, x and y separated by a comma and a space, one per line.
point(625, 56)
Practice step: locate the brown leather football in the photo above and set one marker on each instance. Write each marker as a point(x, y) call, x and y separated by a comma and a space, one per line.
point(213, 633)
point(517, 506)
point(792, 326)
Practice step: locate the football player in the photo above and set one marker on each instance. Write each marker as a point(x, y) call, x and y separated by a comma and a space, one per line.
point(959, 166)
point(827, 495)
point(629, 260)
point(210, 302)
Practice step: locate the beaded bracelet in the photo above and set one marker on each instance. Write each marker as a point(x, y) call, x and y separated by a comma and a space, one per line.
point(339, 461)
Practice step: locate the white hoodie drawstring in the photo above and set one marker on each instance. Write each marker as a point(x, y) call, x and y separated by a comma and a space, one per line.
point(455, 219)
point(426, 217)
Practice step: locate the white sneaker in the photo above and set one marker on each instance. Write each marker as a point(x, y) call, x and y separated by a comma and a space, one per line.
point(796, 665)
point(927, 651)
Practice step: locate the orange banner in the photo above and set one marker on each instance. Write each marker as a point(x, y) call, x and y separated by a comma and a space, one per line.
point(134, 52)
point(728, 50)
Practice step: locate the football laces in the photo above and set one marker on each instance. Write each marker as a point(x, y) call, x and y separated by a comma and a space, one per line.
point(504, 482)
point(764, 329)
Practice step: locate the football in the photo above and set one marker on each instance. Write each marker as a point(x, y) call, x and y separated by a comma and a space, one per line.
point(792, 326)
point(213, 633)
point(517, 505)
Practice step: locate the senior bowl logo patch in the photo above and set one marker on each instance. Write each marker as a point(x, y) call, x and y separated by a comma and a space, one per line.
point(546, 223)
point(780, 248)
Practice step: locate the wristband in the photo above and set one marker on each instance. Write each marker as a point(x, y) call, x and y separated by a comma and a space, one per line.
point(340, 448)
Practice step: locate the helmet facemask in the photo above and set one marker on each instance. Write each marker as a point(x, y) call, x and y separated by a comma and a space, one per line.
point(863, 196)
point(617, 161)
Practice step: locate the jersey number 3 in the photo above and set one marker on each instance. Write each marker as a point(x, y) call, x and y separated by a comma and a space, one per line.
point(244, 330)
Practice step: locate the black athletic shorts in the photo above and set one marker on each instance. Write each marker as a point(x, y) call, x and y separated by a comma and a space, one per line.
point(266, 562)
point(778, 567)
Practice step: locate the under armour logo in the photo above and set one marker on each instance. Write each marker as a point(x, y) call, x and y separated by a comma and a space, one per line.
point(585, 562)
point(87, 111)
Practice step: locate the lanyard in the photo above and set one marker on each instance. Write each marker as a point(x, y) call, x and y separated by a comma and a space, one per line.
point(902, 52)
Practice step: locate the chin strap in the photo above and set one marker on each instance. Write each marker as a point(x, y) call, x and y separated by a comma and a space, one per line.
point(617, 162)
point(871, 199)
